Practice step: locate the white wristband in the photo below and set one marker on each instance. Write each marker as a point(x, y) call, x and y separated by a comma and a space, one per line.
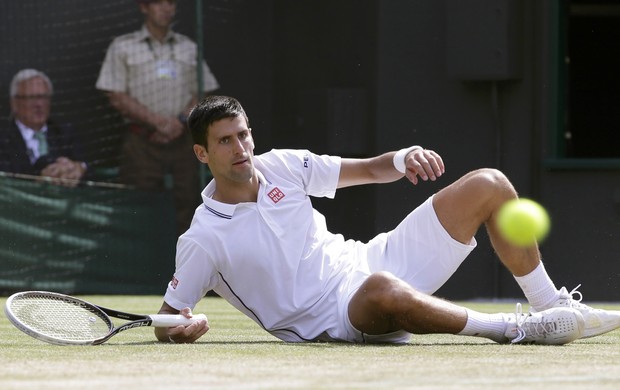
point(399, 158)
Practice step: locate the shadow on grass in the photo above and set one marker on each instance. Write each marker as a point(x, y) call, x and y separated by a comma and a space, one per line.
point(331, 344)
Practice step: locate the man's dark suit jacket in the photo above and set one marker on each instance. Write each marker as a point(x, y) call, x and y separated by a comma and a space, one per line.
point(14, 154)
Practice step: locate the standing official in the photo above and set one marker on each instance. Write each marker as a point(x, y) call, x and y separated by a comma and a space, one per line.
point(150, 76)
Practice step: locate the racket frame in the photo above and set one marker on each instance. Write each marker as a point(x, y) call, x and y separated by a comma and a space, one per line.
point(136, 320)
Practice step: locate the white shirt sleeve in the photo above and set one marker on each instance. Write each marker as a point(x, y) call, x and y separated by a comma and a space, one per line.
point(193, 278)
point(322, 178)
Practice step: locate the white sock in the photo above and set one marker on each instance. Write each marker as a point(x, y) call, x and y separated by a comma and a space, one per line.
point(538, 288)
point(491, 326)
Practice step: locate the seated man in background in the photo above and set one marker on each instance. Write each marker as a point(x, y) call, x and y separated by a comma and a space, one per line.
point(32, 144)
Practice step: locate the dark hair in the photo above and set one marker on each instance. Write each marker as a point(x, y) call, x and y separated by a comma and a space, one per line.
point(212, 109)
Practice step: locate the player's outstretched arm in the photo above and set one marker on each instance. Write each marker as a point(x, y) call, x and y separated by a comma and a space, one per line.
point(412, 162)
point(181, 334)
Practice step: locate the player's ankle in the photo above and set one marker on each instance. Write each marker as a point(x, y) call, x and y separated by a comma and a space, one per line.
point(491, 326)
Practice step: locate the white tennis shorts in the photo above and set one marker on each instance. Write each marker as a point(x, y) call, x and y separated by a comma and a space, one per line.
point(419, 251)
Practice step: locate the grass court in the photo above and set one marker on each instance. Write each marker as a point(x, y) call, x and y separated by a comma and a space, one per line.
point(237, 354)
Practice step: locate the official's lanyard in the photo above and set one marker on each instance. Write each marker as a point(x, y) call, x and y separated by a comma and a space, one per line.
point(170, 42)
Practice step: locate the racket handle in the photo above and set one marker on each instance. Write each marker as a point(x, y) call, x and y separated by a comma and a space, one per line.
point(168, 320)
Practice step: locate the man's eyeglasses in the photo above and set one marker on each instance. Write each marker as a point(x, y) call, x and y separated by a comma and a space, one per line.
point(42, 97)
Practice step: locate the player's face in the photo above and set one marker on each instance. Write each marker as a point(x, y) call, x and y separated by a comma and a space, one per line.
point(31, 105)
point(160, 13)
point(230, 150)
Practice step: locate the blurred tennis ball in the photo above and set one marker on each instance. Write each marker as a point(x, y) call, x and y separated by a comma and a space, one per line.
point(522, 222)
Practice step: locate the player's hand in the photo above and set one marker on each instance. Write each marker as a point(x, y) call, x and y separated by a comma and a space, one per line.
point(190, 333)
point(425, 163)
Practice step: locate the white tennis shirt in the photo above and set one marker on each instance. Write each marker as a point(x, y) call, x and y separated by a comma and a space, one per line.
point(273, 260)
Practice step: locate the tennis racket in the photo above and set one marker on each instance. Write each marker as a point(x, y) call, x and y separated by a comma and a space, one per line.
point(64, 320)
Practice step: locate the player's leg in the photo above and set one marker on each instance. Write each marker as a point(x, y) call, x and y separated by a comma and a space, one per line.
point(475, 200)
point(385, 304)
point(428, 246)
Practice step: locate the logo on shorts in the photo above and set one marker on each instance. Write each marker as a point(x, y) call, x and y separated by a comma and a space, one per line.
point(174, 283)
point(276, 195)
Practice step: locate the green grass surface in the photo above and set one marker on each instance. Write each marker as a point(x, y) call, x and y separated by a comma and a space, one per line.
point(236, 353)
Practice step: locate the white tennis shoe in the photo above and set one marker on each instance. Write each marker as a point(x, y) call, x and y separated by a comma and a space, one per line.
point(553, 326)
point(597, 321)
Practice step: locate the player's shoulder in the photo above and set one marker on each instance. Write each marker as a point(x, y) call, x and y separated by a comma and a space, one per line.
point(285, 155)
point(283, 163)
point(201, 229)
point(297, 158)
point(279, 160)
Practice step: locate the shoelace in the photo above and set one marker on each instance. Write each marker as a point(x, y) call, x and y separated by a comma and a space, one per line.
point(575, 302)
point(537, 328)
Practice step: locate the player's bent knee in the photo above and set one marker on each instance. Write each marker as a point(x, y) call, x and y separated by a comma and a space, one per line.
point(383, 292)
point(491, 183)
point(377, 303)
point(491, 177)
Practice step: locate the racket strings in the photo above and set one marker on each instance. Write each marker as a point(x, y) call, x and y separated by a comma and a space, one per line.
point(61, 318)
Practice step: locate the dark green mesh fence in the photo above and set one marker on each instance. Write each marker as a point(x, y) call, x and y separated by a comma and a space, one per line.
point(87, 239)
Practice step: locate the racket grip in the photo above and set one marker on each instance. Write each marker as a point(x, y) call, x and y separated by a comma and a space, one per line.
point(168, 320)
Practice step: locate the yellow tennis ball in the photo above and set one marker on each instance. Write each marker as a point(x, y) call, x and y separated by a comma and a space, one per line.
point(523, 222)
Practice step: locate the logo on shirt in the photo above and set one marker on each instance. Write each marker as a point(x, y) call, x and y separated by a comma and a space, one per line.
point(174, 283)
point(276, 195)
point(306, 159)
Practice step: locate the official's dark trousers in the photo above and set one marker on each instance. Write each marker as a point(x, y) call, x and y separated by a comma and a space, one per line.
point(155, 167)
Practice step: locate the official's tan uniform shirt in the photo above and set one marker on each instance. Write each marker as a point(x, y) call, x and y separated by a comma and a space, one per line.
point(160, 75)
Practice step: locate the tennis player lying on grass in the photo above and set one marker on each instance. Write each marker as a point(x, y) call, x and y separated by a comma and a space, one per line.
point(259, 244)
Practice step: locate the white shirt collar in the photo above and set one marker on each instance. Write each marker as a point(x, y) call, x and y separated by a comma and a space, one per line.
point(32, 144)
point(225, 210)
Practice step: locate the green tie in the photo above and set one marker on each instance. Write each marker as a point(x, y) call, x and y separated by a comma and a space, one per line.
point(40, 136)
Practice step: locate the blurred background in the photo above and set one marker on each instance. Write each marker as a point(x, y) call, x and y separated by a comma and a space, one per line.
point(527, 86)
